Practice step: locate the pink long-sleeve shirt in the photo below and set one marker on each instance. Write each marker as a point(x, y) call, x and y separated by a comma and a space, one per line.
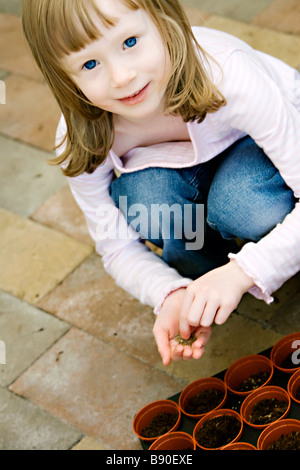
point(263, 96)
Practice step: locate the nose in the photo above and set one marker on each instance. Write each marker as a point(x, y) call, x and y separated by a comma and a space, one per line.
point(121, 73)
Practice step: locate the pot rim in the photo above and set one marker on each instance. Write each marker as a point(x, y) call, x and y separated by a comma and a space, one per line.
point(176, 435)
point(293, 381)
point(240, 365)
point(187, 393)
point(161, 406)
point(239, 445)
point(286, 426)
point(261, 394)
point(290, 338)
point(216, 414)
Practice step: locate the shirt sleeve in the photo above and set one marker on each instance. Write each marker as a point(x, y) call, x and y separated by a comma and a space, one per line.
point(125, 257)
point(258, 106)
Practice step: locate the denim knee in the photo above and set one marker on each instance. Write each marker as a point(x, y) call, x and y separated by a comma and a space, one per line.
point(183, 251)
point(157, 196)
point(248, 197)
point(233, 220)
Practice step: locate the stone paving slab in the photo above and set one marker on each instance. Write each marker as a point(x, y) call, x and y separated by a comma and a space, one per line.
point(31, 113)
point(26, 179)
point(283, 46)
point(88, 443)
point(33, 258)
point(15, 55)
point(27, 333)
point(25, 426)
point(240, 10)
point(287, 318)
point(196, 16)
point(281, 15)
point(61, 213)
point(3, 74)
point(263, 313)
point(10, 6)
point(99, 387)
point(90, 299)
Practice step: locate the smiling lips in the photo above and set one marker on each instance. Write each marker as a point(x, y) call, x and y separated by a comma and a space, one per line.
point(136, 98)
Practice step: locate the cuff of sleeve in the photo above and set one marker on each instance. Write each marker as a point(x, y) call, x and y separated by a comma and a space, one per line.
point(175, 286)
point(259, 290)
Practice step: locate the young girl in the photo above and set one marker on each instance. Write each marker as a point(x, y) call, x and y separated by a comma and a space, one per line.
point(191, 119)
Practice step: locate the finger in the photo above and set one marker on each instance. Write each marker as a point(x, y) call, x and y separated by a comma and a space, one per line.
point(184, 327)
point(222, 315)
point(176, 352)
point(197, 353)
point(187, 353)
point(209, 313)
point(163, 345)
point(203, 335)
point(196, 311)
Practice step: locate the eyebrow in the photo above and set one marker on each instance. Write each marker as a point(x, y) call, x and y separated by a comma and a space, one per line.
point(122, 33)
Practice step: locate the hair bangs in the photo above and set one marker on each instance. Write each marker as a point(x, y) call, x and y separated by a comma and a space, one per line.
point(71, 25)
point(76, 27)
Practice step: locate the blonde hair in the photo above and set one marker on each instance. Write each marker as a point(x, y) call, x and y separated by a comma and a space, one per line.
point(54, 28)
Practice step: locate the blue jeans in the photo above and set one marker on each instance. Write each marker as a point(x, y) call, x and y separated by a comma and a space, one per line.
point(238, 194)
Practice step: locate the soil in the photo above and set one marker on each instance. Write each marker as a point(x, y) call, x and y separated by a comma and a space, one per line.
point(268, 410)
point(298, 394)
point(288, 442)
point(218, 432)
point(287, 363)
point(160, 424)
point(204, 401)
point(253, 382)
point(185, 342)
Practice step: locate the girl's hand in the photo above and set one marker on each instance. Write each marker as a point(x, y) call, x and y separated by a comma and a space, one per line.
point(166, 329)
point(213, 297)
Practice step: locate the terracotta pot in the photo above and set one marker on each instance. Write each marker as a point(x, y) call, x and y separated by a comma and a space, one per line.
point(263, 393)
point(217, 414)
point(174, 441)
point(293, 385)
point(198, 386)
point(244, 368)
point(148, 412)
point(239, 446)
point(283, 348)
point(273, 432)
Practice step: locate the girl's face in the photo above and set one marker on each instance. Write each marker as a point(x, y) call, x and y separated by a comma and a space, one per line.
point(124, 71)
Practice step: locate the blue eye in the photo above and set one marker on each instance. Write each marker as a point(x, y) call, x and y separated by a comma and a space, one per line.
point(131, 42)
point(90, 65)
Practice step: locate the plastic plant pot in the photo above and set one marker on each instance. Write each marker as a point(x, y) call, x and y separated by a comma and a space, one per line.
point(198, 386)
point(294, 385)
point(239, 446)
point(244, 368)
point(275, 430)
point(211, 416)
point(282, 349)
point(174, 441)
point(149, 412)
point(264, 393)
